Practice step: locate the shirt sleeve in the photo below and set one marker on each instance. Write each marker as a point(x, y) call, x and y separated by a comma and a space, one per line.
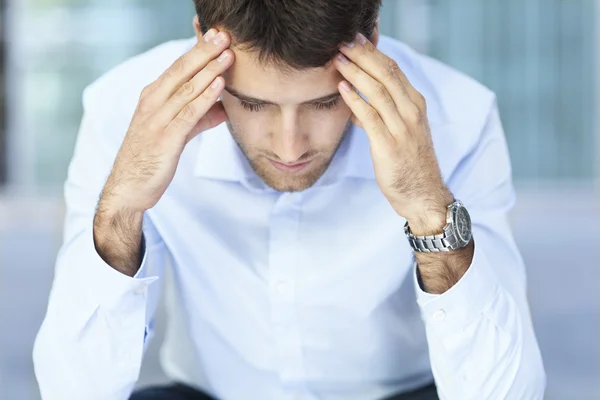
point(97, 324)
point(480, 335)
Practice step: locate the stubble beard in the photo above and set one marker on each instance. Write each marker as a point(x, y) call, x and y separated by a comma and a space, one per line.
point(282, 181)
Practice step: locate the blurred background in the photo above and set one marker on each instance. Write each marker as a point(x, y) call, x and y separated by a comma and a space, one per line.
point(541, 57)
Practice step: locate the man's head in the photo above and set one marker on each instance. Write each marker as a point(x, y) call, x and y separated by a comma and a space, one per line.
point(281, 93)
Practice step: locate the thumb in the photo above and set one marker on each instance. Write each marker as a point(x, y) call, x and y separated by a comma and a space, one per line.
point(213, 117)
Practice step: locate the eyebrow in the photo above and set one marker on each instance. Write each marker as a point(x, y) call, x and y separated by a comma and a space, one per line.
point(250, 99)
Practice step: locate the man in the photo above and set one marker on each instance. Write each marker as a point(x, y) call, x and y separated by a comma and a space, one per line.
point(296, 231)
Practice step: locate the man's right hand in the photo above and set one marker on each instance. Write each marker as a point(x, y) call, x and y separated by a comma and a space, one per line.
point(179, 105)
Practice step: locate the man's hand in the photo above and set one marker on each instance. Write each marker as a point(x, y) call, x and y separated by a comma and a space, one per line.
point(171, 111)
point(406, 166)
point(395, 119)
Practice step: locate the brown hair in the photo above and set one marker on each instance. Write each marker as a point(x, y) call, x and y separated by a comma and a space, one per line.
point(293, 33)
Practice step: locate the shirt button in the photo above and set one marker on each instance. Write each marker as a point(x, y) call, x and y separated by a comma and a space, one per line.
point(439, 315)
point(141, 290)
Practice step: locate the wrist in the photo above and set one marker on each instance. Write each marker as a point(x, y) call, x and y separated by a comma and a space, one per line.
point(117, 235)
point(115, 201)
point(429, 222)
point(115, 223)
point(430, 217)
point(111, 209)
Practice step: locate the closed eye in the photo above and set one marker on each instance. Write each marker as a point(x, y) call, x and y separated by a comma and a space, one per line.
point(326, 106)
point(255, 107)
point(251, 106)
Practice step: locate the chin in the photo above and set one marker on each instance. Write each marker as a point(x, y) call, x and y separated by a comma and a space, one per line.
point(289, 182)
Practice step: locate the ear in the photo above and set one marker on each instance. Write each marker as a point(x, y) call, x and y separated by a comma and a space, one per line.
point(199, 33)
point(375, 35)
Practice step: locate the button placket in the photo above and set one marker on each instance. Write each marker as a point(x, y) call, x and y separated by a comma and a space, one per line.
point(141, 290)
point(283, 244)
point(439, 315)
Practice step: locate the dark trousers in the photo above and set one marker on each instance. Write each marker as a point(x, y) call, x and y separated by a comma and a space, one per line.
point(182, 392)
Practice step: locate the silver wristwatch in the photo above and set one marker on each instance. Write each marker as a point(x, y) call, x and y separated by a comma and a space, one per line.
point(455, 235)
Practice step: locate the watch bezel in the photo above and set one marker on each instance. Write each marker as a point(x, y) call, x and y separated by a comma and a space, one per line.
point(457, 209)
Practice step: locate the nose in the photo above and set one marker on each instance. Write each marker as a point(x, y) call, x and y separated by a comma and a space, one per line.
point(289, 143)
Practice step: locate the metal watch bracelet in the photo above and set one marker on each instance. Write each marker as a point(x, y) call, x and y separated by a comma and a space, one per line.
point(443, 242)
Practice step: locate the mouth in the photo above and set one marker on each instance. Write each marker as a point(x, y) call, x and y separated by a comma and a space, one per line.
point(290, 167)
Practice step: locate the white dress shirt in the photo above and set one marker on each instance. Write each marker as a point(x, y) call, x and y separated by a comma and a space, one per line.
point(308, 295)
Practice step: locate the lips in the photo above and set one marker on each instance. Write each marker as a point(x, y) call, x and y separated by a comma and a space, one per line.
point(289, 167)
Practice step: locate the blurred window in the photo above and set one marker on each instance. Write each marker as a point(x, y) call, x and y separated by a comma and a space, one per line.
point(537, 55)
point(3, 151)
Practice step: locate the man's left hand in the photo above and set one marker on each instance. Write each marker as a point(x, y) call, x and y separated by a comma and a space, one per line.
point(395, 119)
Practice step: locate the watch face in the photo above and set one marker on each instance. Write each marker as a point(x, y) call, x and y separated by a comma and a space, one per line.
point(462, 223)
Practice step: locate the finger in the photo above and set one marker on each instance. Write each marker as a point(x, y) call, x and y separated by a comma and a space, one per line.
point(183, 69)
point(375, 92)
point(367, 115)
point(385, 70)
point(190, 115)
point(357, 122)
point(192, 89)
point(213, 117)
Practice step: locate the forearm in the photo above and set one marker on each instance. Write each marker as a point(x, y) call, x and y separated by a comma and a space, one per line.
point(118, 237)
point(438, 272)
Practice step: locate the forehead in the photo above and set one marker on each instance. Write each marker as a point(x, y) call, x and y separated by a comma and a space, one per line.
point(271, 82)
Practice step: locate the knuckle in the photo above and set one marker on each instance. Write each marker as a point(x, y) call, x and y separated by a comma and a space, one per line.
point(421, 101)
point(371, 114)
point(188, 113)
point(363, 50)
point(389, 102)
point(414, 115)
point(186, 90)
point(391, 68)
point(165, 76)
point(145, 104)
point(178, 66)
point(369, 47)
point(147, 91)
point(149, 126)
point(199, 45)
point(178, 124)
point(380, 90)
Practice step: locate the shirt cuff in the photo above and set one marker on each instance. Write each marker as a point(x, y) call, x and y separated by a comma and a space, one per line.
point(107, 286)
point(462, 303)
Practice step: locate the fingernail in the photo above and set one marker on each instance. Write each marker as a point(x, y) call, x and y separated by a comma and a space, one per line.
point(220, 38)
point(208, 36)
point(346, 86)
point(360, 38)
point(216, 83)
point(343, 58)
point(223, 56)
point(349, 44)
